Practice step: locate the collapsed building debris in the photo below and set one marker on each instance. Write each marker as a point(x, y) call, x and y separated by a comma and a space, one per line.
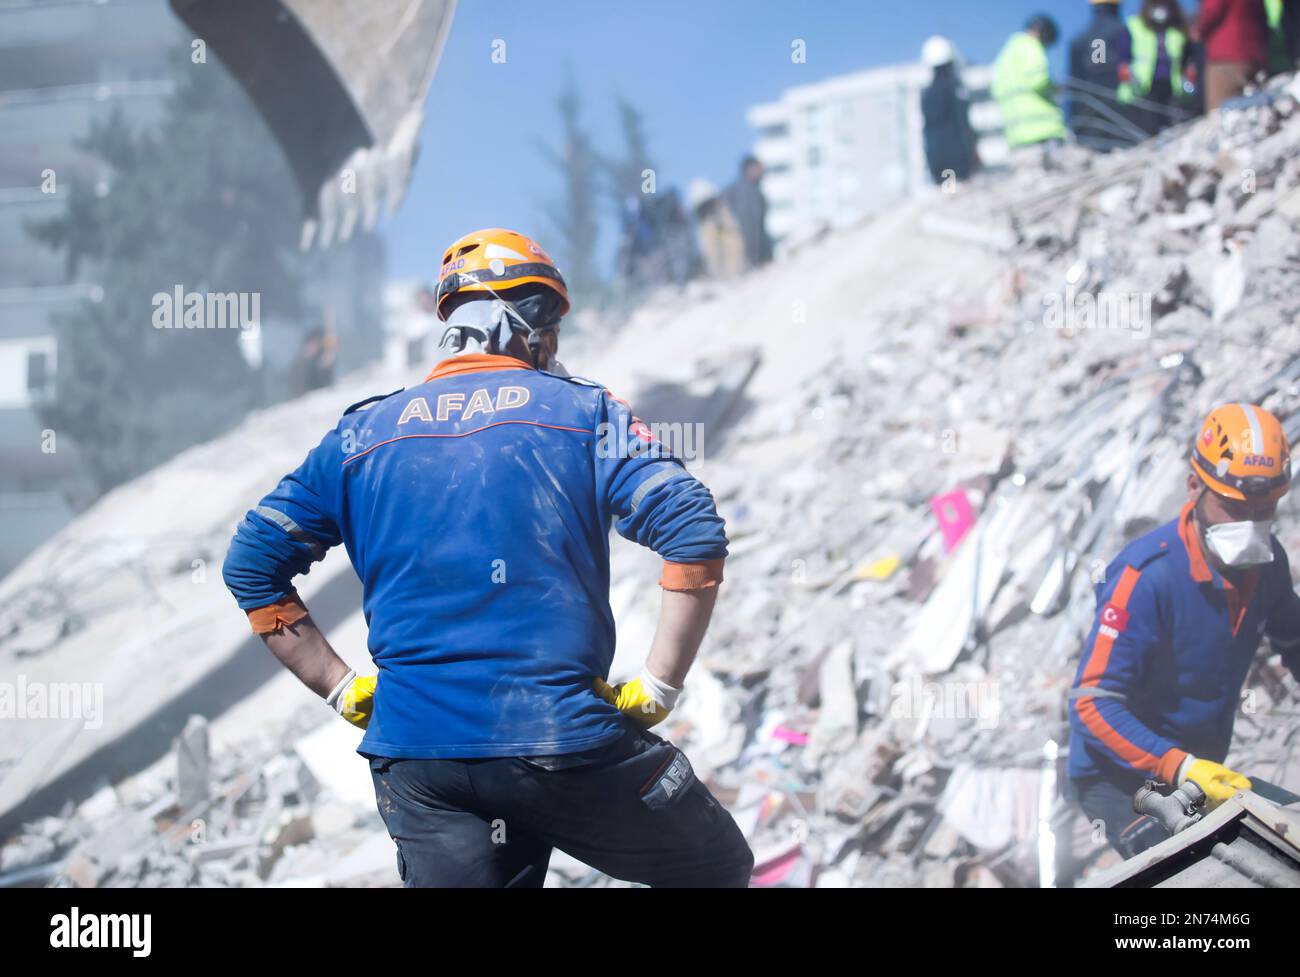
point(260, 820)
point(1065, 425)
point(944, 438)
point(347, 121)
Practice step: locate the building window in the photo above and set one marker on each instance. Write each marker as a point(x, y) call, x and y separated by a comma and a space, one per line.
point(39, 378)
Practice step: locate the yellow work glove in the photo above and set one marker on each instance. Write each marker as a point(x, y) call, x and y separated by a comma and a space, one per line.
point(645, 699)
point(354, 698)
point(1218, 782)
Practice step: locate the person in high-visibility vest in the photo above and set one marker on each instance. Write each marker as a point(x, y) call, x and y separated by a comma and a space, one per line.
point(1283, 28)
point(1156, 73)
point(1022, 86)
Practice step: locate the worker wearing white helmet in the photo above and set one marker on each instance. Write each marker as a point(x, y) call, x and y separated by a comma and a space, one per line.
point(950, 149)
point(938, 51)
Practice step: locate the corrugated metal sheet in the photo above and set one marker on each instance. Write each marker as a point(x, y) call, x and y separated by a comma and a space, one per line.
point(1246, 842)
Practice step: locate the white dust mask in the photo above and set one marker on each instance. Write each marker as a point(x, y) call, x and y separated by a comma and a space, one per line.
point(1241, 544)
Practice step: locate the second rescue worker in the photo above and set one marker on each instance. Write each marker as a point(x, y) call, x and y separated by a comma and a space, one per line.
point(1180, 616)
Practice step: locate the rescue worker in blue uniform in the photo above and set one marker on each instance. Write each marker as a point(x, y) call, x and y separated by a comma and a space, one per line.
point(475, 508)
point(1100, 59)
point(1180, 617)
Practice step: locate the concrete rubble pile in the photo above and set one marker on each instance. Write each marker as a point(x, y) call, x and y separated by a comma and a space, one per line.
point(123, 623)
point(883, 695)
point(916, 529)
point(251, 816)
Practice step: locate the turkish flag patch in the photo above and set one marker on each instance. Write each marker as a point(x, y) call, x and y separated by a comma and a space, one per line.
point(1114, 617)
point(638, 427)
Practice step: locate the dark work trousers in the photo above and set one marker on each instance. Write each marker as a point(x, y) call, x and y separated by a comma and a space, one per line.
point(632, 809)
point(1160, 108)
point(1127, 831)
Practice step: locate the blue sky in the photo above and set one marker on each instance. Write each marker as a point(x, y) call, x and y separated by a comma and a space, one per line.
point(691, 67)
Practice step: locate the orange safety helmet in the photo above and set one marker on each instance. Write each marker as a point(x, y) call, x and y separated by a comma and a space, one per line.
point(1242, 453)
point(495, 259)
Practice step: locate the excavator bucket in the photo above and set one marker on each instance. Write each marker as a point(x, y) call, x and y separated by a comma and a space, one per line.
point(341, 86)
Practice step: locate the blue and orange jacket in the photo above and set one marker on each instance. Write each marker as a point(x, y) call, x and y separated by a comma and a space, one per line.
point(1164, 665)
point(476, 510)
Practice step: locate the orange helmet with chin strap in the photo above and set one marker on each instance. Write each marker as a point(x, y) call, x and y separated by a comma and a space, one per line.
point(1242, 453)
point(493, 260)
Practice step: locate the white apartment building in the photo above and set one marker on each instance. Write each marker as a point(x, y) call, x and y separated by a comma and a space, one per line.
point(840, 149)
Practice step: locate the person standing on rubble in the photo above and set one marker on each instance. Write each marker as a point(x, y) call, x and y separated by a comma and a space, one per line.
point(717, 235)
point(1022, 86)
point(950, 145)
point(1160, 66)
point(749, 207)
point(1100, 75)
point(475, 508)
point(1283, 35)
point(1235, 35)
point(1180, 615)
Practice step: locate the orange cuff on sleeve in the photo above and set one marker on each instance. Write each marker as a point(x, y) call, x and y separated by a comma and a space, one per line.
point(1167, 768)
point(275, 616)
point(691, 576)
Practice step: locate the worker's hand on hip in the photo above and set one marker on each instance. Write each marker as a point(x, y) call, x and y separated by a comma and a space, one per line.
point(1218, 782)
point(644, 700)
point(354, 698)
